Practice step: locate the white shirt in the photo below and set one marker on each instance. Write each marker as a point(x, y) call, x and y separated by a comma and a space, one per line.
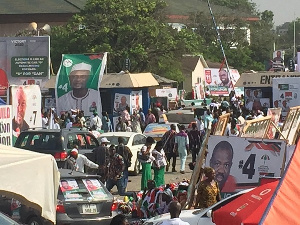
point(174, 221)
point(83, 160)
point(200, 124)
point(69, 101)
point(56, 126)
point(69, 125)
point(96, 120)
point(44, 122)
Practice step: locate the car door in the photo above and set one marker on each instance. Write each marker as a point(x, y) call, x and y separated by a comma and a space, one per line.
point(138, 141)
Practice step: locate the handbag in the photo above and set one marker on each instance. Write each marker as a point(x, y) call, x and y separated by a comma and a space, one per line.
point(142, 157)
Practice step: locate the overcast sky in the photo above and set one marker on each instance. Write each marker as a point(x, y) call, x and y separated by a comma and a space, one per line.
point(284, 10)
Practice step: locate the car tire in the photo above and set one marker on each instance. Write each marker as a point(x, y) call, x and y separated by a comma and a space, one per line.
point(136, 168)
point(35, 221)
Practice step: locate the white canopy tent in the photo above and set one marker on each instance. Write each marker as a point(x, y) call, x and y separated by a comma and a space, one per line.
point(32, 178)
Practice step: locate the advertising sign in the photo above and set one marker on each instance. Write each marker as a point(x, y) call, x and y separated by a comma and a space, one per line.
point(171, 93)
point(136, 101)
point(220, 82)
point(78, 81)
point(5, 125)
point(291, 125)
point(275, 116)
point(26, 105)
point(256, 128)
point(221, 124)
point(285, 94)
point(25, 60)
point(240, 162)
point(255, 101)
point(120, 103)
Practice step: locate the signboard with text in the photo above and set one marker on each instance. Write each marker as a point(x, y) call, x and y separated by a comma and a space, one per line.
point(240, 162)
point(5, 125)
point(25, 60)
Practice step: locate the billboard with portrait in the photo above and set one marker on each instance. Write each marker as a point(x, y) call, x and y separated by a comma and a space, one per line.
point(136, 101)
point(275, 116)
point(6, 125)
point(121, 102)
point(25, 60)
point(221, 124)
point(26, 107)
point(78, 81)
point(219, 81)
point(254, 100)
point(240, 162)
point(285, 94)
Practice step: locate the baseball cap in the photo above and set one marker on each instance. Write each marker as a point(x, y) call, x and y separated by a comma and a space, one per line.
point(104, 140)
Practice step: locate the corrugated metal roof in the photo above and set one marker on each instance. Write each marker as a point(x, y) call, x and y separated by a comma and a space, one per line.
point(12, 7)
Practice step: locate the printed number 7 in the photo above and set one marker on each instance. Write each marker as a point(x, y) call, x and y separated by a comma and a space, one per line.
point(248, 167)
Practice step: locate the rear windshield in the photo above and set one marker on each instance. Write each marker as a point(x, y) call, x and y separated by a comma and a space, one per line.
point(40, 141)
point(114, 139)
point(82, 189)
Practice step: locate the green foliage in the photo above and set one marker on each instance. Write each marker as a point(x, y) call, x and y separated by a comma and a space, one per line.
point(126, 29)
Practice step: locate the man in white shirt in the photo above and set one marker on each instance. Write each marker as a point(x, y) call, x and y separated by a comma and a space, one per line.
point(96, 122)
point(82, 160)
point(175, 210)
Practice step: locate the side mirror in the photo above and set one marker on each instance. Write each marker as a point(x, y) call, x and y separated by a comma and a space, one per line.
point(209, 213)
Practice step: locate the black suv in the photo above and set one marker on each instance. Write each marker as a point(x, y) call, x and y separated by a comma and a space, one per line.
point(58, 142)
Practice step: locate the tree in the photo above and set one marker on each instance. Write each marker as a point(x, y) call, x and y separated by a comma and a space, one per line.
point(126, 29)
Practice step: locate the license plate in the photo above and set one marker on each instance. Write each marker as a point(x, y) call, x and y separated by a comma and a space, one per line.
point(89, 209)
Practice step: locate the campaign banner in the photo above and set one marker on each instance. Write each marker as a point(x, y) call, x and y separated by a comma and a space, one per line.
point(49, 103)
point(256, 128)
point(78, 81)
point(219, 81)
point(171, 93)
point(275, 116)
point(24, 61)
point(121, 101)
point(221, 124)
point(291, 125)
point(6, 125)
point(199, 88)
point(26, 107)
point(136, 101)
point(240, 162)
point(285, 94)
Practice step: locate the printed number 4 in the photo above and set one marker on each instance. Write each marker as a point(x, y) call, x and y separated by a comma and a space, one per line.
point(248, 167)
point(65, 87)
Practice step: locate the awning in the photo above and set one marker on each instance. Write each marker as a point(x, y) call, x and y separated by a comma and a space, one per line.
point(30, 177)
point(262, 79)
point(128, 80)
point(284, 205)
point(119, 80)
point(246, 209)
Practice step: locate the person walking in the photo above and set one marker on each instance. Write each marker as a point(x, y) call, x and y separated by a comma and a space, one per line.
point(142, 119)
point(101, 156)
point(115, 170)
point(126, 153)
point(146, 159)
point(150, 117)
point(121, 125)
point(194, 138)
point(168, 141)
point(159, 164)
point(136, 122)
point(182, 146)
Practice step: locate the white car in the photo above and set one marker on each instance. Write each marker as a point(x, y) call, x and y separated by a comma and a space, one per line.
point(197, 216)
point(134, 141)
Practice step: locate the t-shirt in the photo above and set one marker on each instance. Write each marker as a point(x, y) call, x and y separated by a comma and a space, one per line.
point(174, 221)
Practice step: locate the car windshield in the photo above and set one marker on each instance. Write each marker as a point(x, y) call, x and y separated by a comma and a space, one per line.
point(114, 139)
point(83, 189)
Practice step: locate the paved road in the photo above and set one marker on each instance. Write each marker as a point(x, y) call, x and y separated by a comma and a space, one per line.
point(170, 177)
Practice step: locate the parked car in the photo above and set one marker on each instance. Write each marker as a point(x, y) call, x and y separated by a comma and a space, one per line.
point(197, 216)
point(157, 130)
point(82, 199)
point(5, 220)
point(58, 142)
point(134, 141)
